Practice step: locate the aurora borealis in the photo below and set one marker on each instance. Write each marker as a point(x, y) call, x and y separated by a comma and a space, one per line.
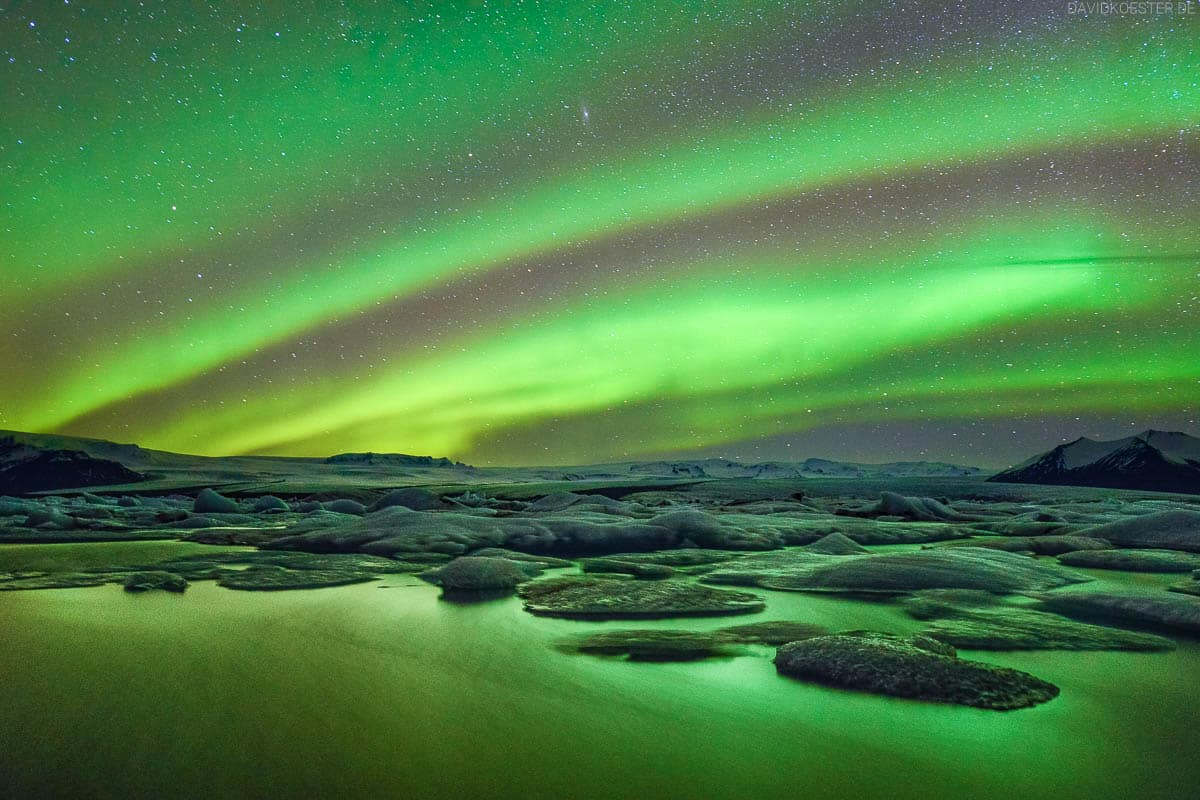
point(518, 233)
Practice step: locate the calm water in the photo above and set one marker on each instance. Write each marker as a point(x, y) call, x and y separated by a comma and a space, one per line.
point(384, 690)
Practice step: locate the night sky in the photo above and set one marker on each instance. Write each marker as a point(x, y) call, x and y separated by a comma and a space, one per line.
point(518, 233)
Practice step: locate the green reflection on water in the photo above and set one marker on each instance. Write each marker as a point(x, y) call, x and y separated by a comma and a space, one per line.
point(384, 690)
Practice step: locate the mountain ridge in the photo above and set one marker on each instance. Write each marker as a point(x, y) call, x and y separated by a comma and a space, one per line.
point(161, 469)
point(1167, 461)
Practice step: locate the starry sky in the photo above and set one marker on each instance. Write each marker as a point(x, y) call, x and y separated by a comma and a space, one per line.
point(569, 232)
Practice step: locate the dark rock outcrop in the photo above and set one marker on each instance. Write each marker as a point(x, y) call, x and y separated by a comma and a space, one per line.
point(210, 502)
point(542, 561)
point(390, 460)
point(626, 567)
point(836, 544)
point(345, 506)
point(920, 509)
point(897, 573)
point(759, 569)
point(413, 498)
point(1036, 545)
point(1178, 529)
point(980, 621)
point(147, 581)
point(399, 531)
point(270, 504)
point(25, 469)
point(678, 645)
point(654, 645)
point(680, 557)
point(18, 581)
point(1133, 560)
point(270, 578)
point(50, 519)
point(481, 574)
point(914, 669)
point(300, 561)
point(1169, 611)
point(615, 599)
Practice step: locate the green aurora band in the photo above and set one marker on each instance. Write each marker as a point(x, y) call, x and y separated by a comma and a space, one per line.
point(416, 242)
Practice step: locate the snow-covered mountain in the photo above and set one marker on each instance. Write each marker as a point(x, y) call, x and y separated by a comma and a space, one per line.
point(1166, 461)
